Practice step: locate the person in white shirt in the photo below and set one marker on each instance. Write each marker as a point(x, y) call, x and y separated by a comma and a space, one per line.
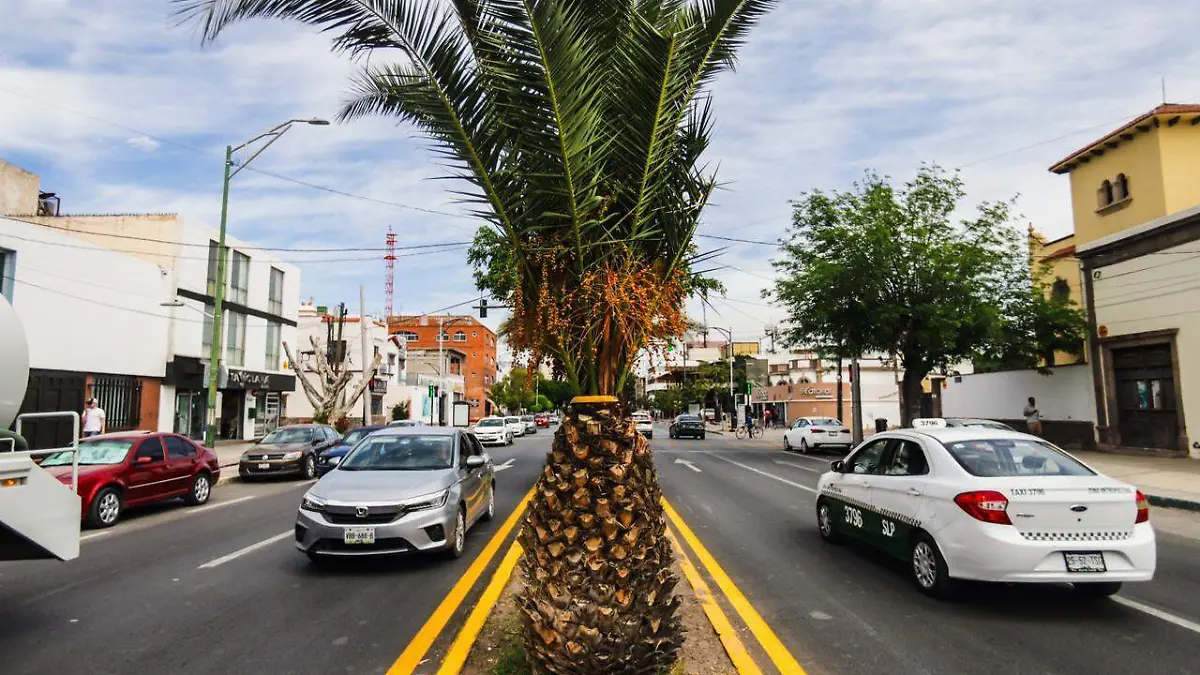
point(94, 421)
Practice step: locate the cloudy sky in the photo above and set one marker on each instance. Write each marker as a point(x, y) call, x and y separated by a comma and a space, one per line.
point(120, 110)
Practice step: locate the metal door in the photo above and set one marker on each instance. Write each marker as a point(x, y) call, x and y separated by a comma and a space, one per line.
point(1147, 409)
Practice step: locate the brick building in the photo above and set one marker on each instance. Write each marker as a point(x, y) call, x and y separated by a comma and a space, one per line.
point(465, 334)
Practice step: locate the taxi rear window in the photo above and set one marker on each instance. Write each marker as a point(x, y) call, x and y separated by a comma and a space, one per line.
point(1001, 457)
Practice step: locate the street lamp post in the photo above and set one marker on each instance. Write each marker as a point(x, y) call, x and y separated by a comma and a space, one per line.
point(218, 348)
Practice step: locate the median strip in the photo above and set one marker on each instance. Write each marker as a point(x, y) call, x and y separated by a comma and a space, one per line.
point(456, 658)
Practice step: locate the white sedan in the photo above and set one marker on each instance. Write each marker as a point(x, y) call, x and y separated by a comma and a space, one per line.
point(515, 425)
point(817, 433)
point(492, 431)
point(988, 505)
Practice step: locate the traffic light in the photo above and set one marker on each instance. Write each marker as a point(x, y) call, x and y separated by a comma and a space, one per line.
point(432, 391)
point(749, 388)
point(483, 308)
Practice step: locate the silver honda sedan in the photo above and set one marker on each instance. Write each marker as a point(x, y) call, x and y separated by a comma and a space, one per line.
point(400, 490)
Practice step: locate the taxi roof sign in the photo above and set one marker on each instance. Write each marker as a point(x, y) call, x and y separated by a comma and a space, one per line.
point(928, 422)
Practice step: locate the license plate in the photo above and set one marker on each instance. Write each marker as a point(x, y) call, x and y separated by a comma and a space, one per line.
point(1085, 562)
point(264, 467)
point(834, 433)
point(358, 535)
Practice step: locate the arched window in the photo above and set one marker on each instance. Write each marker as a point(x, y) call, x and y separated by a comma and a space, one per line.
point(1105, 194)
point(460, 336)
point(1121, 188)
point(410, 336)
point(1060, 290)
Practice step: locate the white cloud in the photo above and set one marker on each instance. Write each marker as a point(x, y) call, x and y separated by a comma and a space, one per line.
point(143, 143)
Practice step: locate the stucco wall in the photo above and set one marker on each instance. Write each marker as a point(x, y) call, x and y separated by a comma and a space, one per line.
point(18, 190)
point(1067, 394)
point(1141, 161)
point(1180, 150)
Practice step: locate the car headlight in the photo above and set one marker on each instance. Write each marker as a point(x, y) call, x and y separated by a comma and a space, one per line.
point(293, 455)
point(334, 461)
point(311, 503)
point(436, 501)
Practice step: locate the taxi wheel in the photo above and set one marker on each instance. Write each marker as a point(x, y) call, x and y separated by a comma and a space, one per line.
point(825, 523)
point(1099, 589)
point(928, 568)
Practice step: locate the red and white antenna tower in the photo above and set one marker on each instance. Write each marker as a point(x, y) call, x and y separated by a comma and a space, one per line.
point(389, 265)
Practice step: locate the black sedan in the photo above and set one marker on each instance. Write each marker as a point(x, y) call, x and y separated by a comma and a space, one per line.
point(288, 451)
point(687, 425)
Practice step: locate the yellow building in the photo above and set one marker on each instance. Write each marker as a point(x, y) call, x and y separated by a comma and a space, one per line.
point(1136, 206)
point(1057, 258)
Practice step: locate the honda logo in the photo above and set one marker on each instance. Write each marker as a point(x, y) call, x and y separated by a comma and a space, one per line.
point(361, 511)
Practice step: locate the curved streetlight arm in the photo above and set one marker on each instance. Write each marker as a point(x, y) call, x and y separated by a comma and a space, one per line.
point(274, 134)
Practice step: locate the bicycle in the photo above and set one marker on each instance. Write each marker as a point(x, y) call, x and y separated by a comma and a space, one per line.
point(743, 432)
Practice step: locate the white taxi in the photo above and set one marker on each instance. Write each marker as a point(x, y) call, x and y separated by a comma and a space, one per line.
point(988, 505)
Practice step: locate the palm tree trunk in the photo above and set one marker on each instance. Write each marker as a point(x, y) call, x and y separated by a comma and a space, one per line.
point(598, 588)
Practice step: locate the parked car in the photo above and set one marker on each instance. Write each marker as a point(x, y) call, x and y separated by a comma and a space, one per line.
point(817, 433)
point(288, 451)
point(120, 470)
point(530, 424)
point(401, 490)
point(515, 425)
point(644, 424)
point(970, 503)
point(687, 425)
point(542, 420)
point(555, 418)
point(493, 431)
point(332, 456)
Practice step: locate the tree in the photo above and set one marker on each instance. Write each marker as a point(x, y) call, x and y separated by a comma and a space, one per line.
point(513, 391)
point(884, 269)
point(579, 129)
point(328, 395)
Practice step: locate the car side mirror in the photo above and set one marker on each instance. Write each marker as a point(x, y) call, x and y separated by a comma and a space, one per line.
point(143, 460)
point(837, 465)
point(476, 461)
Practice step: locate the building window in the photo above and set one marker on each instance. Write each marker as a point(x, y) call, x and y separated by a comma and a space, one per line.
point(1121, 187)
point(274, 340)
point(376, 405)
point(235, 340)
point(239, 278)
point(1060, 290)
point(275, 295)
point(8, 272)
point(206, 338)
point(212, 267)
point(409, 336)
point(474, 333)
point(443, 336)
point(1104, 195)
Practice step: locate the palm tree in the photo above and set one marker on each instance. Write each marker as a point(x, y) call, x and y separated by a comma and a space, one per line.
point(579, 127)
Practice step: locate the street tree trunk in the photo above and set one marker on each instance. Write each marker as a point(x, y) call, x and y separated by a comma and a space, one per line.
point(911, 392)
point(598, 588)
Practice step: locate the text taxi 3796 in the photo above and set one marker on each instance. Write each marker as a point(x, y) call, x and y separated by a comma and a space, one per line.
point(988, 505)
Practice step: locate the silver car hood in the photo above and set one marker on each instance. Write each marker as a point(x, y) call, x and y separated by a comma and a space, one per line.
point(356, 487)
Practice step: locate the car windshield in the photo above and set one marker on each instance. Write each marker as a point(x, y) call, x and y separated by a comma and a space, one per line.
point(998, 457)
point(641, 418)
point(93, 453)
point(355, 435)
point(409, 452)
point(491, 422)
point(527, 418)
point(687, 418)
point(825, 422)
point(288, 435)
point(512, 420)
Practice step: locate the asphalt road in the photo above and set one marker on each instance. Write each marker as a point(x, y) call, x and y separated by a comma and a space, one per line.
point(138, 601)
point(847, 610)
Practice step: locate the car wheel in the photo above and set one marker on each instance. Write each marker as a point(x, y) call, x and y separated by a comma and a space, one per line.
point(106, 508)
point(458, 538)
point(491, 504)
point(787, 447)
point(310, 467)
point(825, 522)
point(803, 446)
point(928, 568)
point(200, 491)
point(1098, 590)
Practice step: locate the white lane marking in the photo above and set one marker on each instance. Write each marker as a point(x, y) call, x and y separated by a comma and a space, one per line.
point(304, 482)
point(688, 464)
point(764, 473)
point(93, 535)
point(814, 459)
point(241, 552)
point(1158, 613)
point(506, 465)
point(798, 466)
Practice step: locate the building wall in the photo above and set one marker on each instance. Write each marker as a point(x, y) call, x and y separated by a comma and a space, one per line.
point(1067, 394)
point(1141, 161)
point(18, 190)
point(479, 346)
point(1180, 152)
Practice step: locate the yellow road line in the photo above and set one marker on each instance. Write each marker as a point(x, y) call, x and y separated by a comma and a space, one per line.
point(424, 639)
point(742, 661)
point(770, 642)
point(456, 658)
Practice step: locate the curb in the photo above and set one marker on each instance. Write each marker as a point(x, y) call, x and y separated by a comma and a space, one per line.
point(1173, 503)
point(229, 473)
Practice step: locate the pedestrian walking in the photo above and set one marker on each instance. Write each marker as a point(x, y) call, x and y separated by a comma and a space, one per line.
point(1033, 418)
point(94, 420)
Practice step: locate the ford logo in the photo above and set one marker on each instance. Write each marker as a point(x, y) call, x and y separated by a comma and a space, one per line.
point(361, 511)
point(1079, 508)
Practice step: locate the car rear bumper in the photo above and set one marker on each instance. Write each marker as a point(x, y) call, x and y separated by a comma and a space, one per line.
point(694, 433)
point(291, 467)
point(1000, 553)
point(411, 533)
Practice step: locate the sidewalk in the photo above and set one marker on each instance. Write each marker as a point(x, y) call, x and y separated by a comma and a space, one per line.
point(1165, 481)
point(229, 453)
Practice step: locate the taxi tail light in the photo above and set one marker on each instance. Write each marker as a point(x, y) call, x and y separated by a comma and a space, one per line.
point(1143, 509)
point(987, 506)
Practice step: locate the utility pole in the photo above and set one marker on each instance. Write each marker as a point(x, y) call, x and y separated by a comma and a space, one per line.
point(856, 400)
point(362, 324)
point(441, 374)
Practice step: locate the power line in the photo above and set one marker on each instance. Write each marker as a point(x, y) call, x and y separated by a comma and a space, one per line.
point(772, 244)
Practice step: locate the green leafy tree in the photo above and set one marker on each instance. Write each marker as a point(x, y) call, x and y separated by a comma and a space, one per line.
point(513, 391)
point(884, 269)
point(579, 130)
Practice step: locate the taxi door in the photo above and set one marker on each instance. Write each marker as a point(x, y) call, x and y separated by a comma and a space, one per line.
point(898, 495)
point(853, 510)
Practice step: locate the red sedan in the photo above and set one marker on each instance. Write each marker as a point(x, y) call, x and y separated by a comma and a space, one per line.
point(542, 420)
point(120, 470)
